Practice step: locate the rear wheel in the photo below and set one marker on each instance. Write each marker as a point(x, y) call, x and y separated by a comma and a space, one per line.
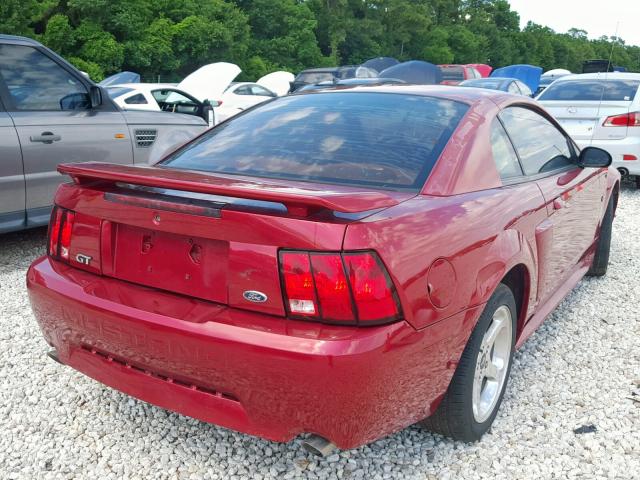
point(601, 258)
point(476, 390)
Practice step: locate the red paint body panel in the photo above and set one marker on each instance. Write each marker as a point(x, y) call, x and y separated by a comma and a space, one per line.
point(160, 312)
point(275, 378)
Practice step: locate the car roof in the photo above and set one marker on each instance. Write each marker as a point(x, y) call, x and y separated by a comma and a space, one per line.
point(599, 76)
point(466, 95)
point(16, 38)
point(146, 87)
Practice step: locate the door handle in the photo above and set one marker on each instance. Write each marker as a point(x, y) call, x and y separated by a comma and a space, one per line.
point(45, 137)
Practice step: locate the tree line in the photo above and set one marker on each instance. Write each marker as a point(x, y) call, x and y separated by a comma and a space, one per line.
point(167, 39)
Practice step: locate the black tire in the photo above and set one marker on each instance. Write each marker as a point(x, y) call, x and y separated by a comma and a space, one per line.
point(454, 416)
point(601, 258)
point(638, 181)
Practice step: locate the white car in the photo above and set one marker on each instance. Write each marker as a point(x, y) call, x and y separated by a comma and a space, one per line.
point(160, 97)
point(602, 110)
point(214, 82)
point(240, 96)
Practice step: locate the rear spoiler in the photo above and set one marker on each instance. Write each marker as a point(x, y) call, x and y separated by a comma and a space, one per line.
point(298, 200)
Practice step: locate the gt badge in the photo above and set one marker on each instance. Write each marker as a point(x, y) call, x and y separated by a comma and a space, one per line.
point(83, 259)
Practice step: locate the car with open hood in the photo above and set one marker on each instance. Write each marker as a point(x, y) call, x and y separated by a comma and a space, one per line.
point(342, 263)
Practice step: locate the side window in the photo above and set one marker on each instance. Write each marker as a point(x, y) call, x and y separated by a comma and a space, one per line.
point(513, 88)
point(503, 153)
point(541, 146)
point(137, 99)
point(258, 90)
point(524, 89)
point(36, 82)
point(243, 90)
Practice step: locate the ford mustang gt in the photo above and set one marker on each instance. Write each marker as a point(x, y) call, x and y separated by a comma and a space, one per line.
point(342, 263)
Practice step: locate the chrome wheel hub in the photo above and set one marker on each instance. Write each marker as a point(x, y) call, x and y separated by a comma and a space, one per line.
point(492, 364)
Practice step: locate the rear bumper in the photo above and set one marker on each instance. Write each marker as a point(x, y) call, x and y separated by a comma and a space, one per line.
point(618, 148)
point(260, 375)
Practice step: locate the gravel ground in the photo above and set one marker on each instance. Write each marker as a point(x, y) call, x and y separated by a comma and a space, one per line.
point(580, 370)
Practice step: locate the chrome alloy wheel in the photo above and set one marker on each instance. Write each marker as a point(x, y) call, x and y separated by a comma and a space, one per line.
point(492, 364)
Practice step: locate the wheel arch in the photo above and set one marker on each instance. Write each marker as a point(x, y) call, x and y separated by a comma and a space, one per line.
point(518, 279)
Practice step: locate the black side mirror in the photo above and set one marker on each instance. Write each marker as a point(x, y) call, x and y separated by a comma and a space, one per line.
point(594, 157)
point(95, 96)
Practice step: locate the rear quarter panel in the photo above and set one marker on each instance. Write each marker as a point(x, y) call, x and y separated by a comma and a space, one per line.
point(482, 235)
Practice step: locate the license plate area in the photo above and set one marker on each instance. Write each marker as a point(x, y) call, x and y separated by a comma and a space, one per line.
point(182, 264)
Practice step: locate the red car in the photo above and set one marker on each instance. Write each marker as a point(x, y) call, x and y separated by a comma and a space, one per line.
point(343, 263)
point(456, 74)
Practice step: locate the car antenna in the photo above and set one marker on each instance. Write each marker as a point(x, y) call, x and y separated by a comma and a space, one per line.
point(606, 75)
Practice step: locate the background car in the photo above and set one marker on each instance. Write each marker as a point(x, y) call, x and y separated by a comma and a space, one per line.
point(352, 82)
point(510, 85)
point(455, 74)
point(160, 97)
point(314, 76)
point(240, 96)
point(343, 263)
point(49, 114)
point(600, 109)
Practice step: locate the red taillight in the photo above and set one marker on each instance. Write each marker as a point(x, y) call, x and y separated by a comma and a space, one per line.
point(60, 231)
point(54, 231)
point(625, 120)
point(332, 287)
point(298, 282)
point(372, 290)
point(349, 288)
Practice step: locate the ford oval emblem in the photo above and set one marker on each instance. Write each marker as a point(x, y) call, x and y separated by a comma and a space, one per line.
point(254, 296)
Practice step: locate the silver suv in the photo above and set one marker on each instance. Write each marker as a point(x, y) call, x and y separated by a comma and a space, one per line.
point(50, 113)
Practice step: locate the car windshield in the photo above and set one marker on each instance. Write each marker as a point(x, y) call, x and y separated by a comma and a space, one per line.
point(314, 77)
point(592, 90)
point(382, 140)
point(115, 92)
point(452, 73)
point(484, 83)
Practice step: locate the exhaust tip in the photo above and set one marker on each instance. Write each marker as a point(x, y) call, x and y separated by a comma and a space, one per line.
point(318, 445)
point(53, 355)
point(623, 171)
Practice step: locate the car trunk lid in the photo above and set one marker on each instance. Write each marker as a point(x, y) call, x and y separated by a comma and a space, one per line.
point(208, 236)
point(583, 120)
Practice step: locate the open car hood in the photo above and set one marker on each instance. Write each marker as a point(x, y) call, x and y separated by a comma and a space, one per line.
point(380, 63)
point(278, 82)
point(414, 71)
point(527, 74)
point(210, 81)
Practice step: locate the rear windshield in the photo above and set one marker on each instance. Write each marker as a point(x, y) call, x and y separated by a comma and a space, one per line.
point(592, 90)
point(378, 139)
point(314, 77)
point(452, 73)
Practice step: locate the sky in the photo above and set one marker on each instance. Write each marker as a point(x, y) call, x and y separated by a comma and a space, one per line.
point(597, 17)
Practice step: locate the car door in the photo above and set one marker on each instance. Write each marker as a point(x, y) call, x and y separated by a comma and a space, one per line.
point(49, 104)
point(12, 200)
point(573, 195)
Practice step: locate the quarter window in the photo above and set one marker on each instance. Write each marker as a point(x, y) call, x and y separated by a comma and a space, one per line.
point(137, 99)
point(503, 153)
point(541, 146)
point(36, 82)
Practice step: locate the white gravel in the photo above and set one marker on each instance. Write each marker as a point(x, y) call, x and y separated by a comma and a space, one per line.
point(581, 368)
